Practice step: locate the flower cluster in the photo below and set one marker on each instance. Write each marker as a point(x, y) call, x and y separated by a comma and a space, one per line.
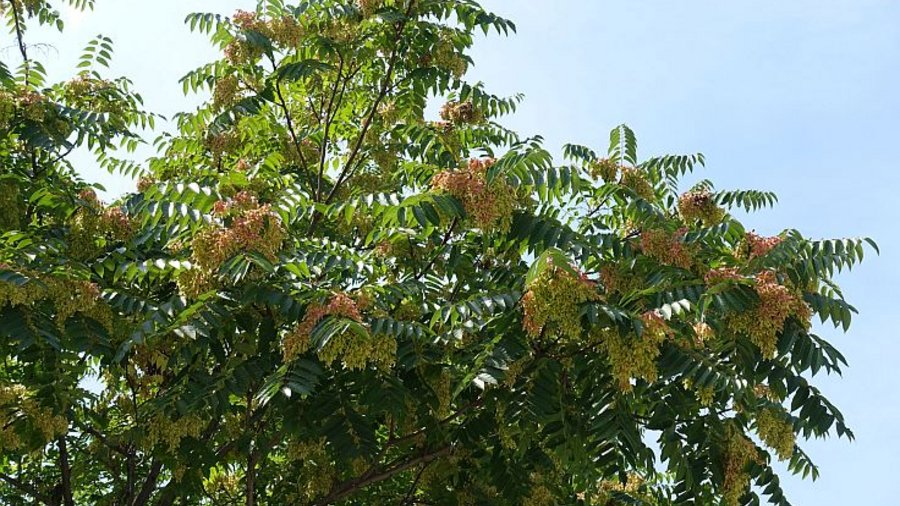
point(667, 248)
point(161, 429)
point(222, 143)
point(93, 224)
point(723, 275)
point(739, 453)
point(446, 56)
point(776, 432)
point(17, 404)
point(11, 212)
point(68, 296)
point(92, 94)
point(607, 489)
point(369, 7)
point(490, 205)
point(226, 92)
point(461, 113)
point(319, 470)
point(763, 323)
point(703, 333)
point(284, 31)
point(699, 205)
point(355, 351)
point(634, 356)
point(251, 227)
point(636, 181)
point(754, 246)
point(605, 169)
point(7, 109)
point(617, 280)
point(553, 301)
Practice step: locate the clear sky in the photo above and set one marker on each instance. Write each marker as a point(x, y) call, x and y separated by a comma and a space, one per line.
point(801, 97)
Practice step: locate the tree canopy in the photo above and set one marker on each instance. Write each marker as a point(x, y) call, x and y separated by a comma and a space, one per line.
point(328, 288)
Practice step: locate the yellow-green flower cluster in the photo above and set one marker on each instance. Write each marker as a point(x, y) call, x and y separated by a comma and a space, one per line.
point(739, 453)
point(776, 431)
point(698, 205)
point(603, 495)
point(763, 323)
point(634, 356)
point(490, 205)
point(553, 301)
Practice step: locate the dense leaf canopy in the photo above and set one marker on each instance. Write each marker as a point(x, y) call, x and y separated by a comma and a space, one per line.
point(342, 280)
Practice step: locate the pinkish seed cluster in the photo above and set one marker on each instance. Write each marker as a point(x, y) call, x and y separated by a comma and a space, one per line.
point(355, 351)
point(763, 323)
point(754, 245)
point(461, 113)
point(252, 227)
point(667, 248)
point(490, 205)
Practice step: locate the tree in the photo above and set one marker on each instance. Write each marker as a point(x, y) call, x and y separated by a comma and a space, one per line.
point(317, 296)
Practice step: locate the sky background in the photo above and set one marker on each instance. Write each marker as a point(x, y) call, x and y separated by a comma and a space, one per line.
point(801, 97)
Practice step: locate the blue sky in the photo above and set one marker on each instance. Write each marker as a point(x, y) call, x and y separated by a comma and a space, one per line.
point(799, 97)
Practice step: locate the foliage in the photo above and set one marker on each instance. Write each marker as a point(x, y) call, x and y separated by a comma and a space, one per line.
point(316, 295)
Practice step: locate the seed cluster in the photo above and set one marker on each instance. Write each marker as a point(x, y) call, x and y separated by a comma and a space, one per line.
point(369, 7)
point(739, 453)
point(250, 227)
point(667, 248)
point(319, 472)
point(553, 302)
point(754, 246)
point(18, 405)
point(634, 356)
point(605, 169)
point(763, 323)
point(92, 94)
point(460, 113)
point(161, 429)
point(776, 432)
point(355, 351)
point(68, 296)
point(226, 91)
point(635, 180)
point(490, 205)
point(94, 224)
point(11, 211)
point(699, 205)
point(617, 280)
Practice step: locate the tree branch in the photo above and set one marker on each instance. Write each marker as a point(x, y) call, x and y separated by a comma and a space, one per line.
point(66, 471)
point(26, 488)
point(350, 487)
